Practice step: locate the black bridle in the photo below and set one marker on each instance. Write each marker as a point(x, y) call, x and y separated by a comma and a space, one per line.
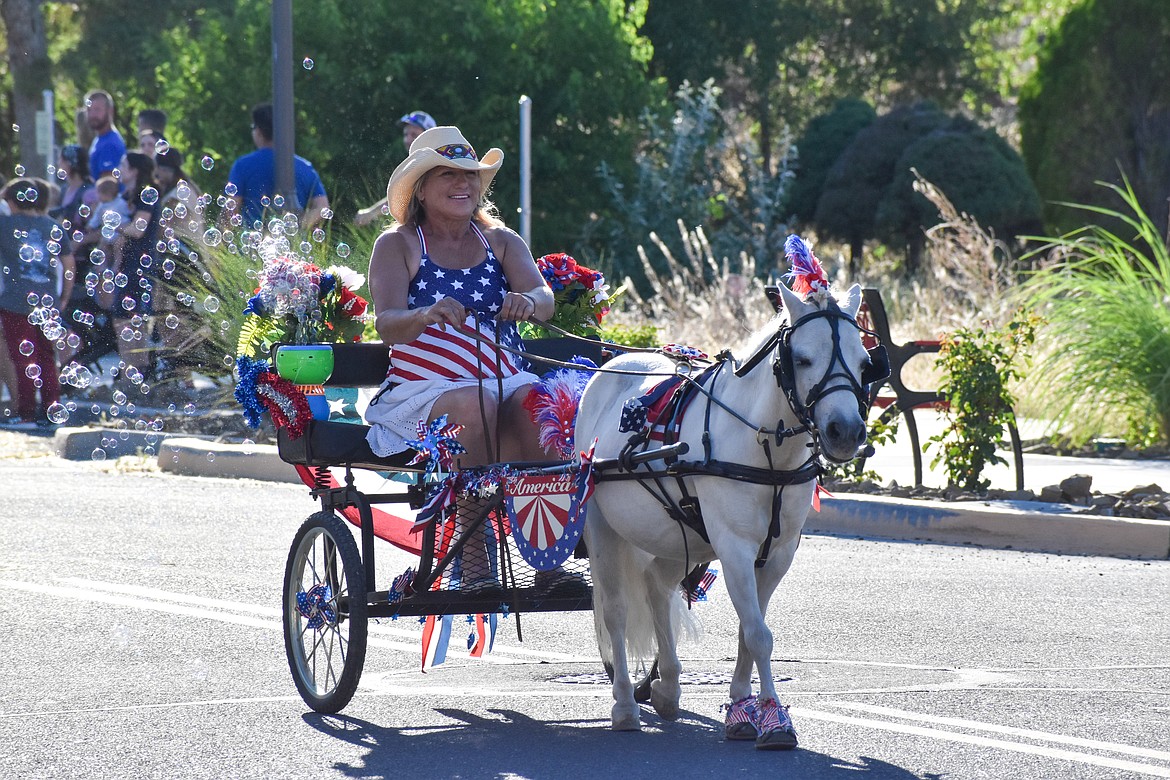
point(779, 345)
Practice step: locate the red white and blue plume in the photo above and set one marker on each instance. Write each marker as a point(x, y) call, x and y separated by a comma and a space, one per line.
point(807, 275)
point(553, 403)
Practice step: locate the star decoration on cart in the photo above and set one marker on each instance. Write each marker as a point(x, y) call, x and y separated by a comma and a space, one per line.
point(436, 445)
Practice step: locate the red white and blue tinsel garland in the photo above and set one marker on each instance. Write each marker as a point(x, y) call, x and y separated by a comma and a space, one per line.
point(807, 274)
point(259, 390)
point(552, 404)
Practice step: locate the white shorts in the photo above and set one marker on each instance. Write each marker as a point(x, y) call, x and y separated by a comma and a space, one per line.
point(394, 415)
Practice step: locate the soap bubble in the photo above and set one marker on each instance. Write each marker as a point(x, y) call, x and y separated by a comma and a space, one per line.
point(211, 304)
point(149, 194)
point(26, 347)
point(32, 371)
point(57, 413)
point(98, 454)
point(212, 237)
point(307, 63)
point(207, 163)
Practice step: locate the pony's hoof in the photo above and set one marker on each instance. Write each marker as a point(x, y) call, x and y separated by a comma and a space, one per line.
point(665, 704)
point(740, 731)
point(775, 725)
point(627, 723)
point(740, 723)
point(776, 740)
point(624, 720)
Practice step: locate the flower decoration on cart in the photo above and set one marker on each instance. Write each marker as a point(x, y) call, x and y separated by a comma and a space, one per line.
point(581, 294)
point(295, 303)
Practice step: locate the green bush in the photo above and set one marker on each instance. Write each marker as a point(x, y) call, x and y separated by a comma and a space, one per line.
point(978, 366)
point(1107, 303)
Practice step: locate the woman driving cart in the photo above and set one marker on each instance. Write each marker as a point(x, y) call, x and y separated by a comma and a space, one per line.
point(447, 281)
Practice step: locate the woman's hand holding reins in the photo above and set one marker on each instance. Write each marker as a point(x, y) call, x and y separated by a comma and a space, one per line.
point(517, 307)
point(446, 311)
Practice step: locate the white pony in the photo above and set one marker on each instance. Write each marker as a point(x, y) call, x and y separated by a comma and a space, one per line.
point(755, 434)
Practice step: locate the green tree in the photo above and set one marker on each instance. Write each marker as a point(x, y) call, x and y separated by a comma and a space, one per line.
point(28, 57)
point(858, 180)
point(784, 60)
point(822, 142)
point(980, 174)
point(467, 62)
point(692, 169)
point(1098, 108)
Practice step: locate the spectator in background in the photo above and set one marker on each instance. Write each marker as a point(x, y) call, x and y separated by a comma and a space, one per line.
point(179, 195)
point(37, 261)
point(413, 125)
point(73, 170)
point(111, 209)
point(136, 259)
point(181, 226)
point(254, 178)
point(152, 119)
point(151, 141)
point(107, 148)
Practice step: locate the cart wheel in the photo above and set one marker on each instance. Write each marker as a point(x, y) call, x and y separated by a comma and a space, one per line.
point(325, 613)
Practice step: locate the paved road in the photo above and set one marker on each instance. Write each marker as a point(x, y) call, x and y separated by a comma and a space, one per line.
point(142, 639)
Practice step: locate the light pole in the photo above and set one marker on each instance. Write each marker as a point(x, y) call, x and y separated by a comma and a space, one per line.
point(526, 169)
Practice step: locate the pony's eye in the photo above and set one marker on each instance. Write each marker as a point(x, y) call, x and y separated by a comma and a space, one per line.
point(802, 362)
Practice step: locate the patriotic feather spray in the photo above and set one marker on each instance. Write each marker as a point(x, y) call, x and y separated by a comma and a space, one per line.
point(807, 274)
point(553, 403)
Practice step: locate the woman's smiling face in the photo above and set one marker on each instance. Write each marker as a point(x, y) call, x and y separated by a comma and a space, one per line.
point(450, 192)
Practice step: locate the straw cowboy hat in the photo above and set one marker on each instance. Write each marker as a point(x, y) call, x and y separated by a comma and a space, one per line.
point(434, 148)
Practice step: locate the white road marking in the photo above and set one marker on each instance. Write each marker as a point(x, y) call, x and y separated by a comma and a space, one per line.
point(971, 739)
point(138, 597)
point(1092, 744)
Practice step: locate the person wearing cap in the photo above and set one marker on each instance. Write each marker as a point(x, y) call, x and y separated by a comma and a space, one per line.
point(413, 125)
point(36, 264)
point(447, 271)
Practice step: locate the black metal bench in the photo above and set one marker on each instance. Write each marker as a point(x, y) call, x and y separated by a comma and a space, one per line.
point(895, 398)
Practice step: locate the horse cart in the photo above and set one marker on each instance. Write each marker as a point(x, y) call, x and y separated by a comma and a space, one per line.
point(758, 427)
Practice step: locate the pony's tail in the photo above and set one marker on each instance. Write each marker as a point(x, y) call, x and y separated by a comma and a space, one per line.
point(632, 585)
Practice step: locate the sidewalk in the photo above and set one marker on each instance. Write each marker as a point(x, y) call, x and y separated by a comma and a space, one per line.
point(1019, 525)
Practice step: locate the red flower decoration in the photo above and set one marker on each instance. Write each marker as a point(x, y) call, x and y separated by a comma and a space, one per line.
point(351, 304)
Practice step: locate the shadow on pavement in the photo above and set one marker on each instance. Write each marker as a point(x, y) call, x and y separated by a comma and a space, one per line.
point(514, 745)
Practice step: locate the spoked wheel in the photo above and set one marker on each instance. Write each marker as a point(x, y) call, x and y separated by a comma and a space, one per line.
point(325, 613)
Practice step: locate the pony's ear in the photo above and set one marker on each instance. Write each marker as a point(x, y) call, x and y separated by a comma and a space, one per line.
point(852, 301)
point(773, 293)
point(792, 302)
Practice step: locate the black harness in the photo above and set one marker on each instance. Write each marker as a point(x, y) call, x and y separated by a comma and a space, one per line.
point(685, 509)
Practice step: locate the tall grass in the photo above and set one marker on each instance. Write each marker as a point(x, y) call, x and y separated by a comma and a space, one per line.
point(215, 281)
point(698, 300)
point(1106, 297)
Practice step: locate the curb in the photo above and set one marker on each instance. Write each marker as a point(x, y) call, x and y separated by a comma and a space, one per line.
point(1008, 525)
point(191, 456)
point(83, 443)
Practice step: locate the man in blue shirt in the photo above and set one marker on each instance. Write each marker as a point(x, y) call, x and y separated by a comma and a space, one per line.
point(253, 178)
point(107, 148)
